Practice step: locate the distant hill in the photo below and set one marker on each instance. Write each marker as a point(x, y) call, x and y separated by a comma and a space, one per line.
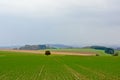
point(118, 48)
point(58, 46)
point(43, 46)
point(9, 47)
point(33, 47)
point(55, 46)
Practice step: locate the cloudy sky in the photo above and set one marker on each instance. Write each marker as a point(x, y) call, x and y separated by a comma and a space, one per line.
point(71, 22)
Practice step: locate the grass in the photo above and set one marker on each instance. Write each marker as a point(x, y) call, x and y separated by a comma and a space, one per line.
point(118, 52)
point(27, 66)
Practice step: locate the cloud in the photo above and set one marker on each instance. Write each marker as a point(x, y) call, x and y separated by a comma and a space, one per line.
point(82, 9)
point(59, 21)
point(47, 7)
point(92, 12)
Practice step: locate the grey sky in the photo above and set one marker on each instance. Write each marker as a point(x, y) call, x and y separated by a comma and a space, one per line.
point(72, 22)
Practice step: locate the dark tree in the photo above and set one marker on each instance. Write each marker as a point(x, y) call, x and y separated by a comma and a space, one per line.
point(109, 51)
point(97, 55)
point(47, 53)
point(98, 47)
point(116, 54)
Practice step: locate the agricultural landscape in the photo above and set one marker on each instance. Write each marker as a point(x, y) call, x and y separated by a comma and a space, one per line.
point(59, 40)
point(34, 65)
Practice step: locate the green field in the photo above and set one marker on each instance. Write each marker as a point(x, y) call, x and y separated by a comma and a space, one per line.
point(82, 50)
point(27, 66)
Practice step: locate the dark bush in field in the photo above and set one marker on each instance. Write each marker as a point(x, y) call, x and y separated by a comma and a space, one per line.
point(97, 55)
point(47, 53)
point(109, 51)
point(116, 54)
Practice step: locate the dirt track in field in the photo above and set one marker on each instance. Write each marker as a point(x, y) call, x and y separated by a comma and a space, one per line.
point(54, 52)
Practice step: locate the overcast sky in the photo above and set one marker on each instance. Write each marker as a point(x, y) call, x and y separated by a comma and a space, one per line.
point(71, 22)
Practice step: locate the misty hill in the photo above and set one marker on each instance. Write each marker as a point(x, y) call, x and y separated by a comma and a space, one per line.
point(58, 46)
point(44, 46)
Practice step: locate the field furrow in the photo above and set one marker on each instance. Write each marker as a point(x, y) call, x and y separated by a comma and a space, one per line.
point(38, 74)
point(76, 75)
